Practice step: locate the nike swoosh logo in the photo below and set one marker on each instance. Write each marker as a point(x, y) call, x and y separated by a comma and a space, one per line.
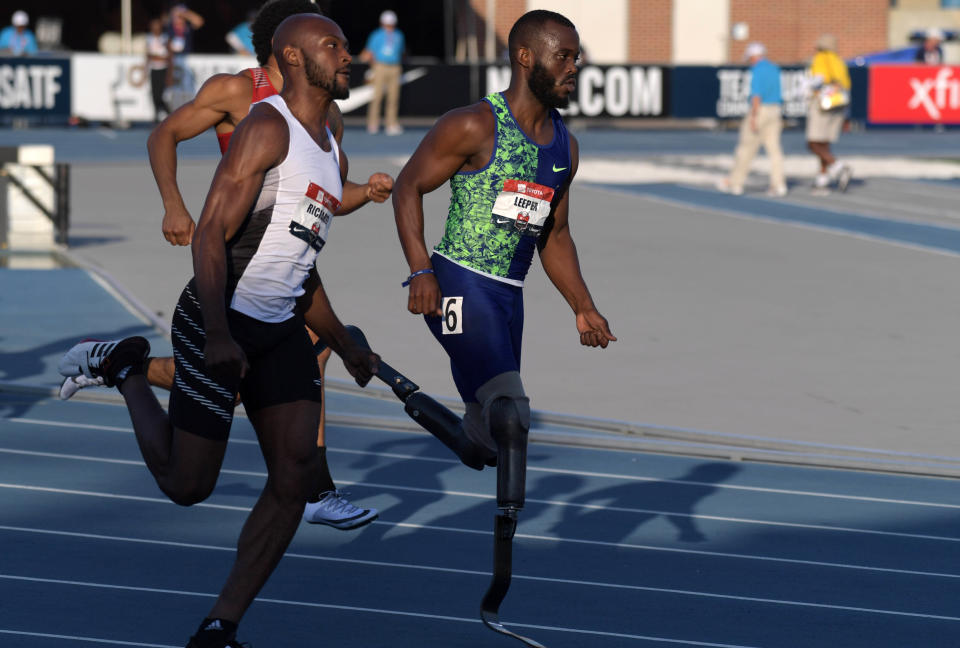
point(362, 95)
point(556, 170)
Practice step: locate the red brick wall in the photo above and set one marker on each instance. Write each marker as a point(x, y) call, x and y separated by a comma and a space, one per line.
point(507, 12)
point(651, 31)
point(790, 28)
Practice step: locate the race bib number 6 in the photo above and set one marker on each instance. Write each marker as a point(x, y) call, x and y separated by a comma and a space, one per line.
point(311, 218)
point(523, 206)
point(451, 319)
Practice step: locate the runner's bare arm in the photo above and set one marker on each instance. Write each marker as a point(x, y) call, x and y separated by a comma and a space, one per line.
point(259, 143)
point(461, 137)
point(221, 96)
point(558, 253)
point(355, 196)
point(320, 318)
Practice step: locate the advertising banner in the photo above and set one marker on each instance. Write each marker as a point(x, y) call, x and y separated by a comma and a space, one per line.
point(608, 90)
point(35, 88)
point(724, 93)
point(914, 94)
point(116, 88)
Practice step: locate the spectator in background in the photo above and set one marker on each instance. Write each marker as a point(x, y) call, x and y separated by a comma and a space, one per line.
point(17, 39)
point(762, 124)
point(183, 22)
point(384, 51)
point(830, 85)
point(931, 53)
point(158, 63)
point(240, 38)
point(180, 27)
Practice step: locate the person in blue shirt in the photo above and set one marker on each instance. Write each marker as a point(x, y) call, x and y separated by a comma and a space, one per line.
point(763, 124)
point(240, 37)
point(384, 53)
point(16, 39)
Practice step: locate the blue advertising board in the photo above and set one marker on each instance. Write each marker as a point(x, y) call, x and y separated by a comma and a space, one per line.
point(35, 88)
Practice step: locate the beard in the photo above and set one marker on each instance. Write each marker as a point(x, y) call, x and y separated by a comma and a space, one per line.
point(544, 88)
point(317, 78)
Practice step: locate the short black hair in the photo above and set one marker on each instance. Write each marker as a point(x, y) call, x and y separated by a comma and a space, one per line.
point(529, 24)
point(271, 14)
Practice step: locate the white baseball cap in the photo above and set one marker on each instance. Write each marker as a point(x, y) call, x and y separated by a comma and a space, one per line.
point(934, 32)
point(754, 49)
point(20, 18)
point(388, 18)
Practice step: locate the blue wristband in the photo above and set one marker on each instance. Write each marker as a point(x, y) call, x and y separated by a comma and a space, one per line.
point(416, 274)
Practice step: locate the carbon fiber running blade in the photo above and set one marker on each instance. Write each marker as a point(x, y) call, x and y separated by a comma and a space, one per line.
point(490, 620)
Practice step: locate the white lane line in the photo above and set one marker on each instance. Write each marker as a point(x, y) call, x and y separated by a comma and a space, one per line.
point(525, 536)
point(560, 471)
point(449, 570)
point(95, 640)
point(560, 503)
point(353, 608)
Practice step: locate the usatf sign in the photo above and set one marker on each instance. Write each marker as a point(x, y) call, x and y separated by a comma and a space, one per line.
point(35, 87)
point(914, 94)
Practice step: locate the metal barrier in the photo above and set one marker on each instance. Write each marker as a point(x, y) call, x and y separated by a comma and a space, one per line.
point(33, 187)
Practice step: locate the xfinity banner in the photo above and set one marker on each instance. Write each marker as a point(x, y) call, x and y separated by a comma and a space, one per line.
point(35, 88)
point(914, 94)
point(607, 90)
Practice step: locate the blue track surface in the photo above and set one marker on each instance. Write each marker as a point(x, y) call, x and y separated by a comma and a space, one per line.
point(615, 548)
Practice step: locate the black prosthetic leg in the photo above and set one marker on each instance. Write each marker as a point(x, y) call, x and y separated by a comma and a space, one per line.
point(510, 433)
point(430, 414)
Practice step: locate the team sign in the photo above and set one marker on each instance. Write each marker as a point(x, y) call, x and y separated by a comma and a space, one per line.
point(915, 94)
point(32, 86)
point(734, 98)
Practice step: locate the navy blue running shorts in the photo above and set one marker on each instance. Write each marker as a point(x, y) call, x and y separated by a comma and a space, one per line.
point(481, 327)
point(283, 369)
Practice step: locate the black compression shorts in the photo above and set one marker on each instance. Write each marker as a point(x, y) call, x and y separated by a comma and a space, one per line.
point(283, 369)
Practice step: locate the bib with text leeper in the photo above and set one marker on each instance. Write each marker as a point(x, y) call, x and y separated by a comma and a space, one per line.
point(523, 206)
point(311, 219)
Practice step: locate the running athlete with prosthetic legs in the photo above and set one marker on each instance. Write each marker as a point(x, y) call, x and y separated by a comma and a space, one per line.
point(239, 324)
point(221, 103)
point(510, 161)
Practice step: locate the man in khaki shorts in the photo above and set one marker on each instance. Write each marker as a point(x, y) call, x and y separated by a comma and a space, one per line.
point(763, 124)
point(827, 111)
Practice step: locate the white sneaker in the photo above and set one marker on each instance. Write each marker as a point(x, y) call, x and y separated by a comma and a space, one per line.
point(777, 192)
point(73, 384)
point(334, 510)
point(394, 130)
point(725, 186)
point(822, 181)
point(844, 177)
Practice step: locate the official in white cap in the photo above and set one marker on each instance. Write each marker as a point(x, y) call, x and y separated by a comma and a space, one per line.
point(384, 53)
point(17, 39)
point(931, 53)
point(762, 125)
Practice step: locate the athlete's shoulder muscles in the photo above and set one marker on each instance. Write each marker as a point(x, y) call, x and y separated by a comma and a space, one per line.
point(259, 143)
point(458, 136)
point(218, 97)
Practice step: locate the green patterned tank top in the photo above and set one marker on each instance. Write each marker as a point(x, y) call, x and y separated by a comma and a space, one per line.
point(498, 212)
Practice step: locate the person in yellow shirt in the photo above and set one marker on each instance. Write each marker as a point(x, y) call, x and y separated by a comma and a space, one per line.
point(830, 82)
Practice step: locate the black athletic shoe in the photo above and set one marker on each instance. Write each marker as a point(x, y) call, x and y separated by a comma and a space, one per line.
point(212, 634)
point(97, 359)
